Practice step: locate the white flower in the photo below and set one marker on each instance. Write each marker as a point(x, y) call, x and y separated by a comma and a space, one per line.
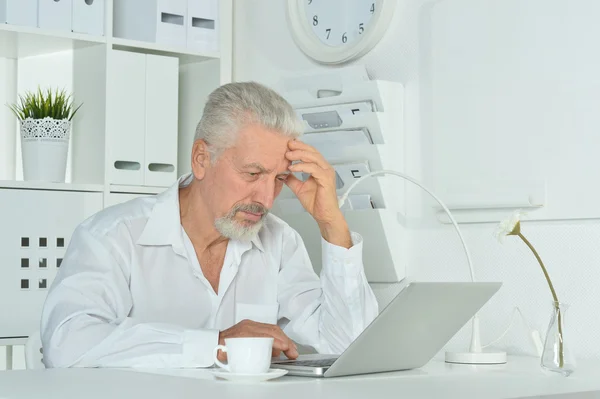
point(509, 226)
point(512, 227)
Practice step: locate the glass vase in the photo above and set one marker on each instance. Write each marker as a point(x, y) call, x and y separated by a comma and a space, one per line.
point(557, 356)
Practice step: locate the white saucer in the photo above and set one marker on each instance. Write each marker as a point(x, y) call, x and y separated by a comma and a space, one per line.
point(269, 375)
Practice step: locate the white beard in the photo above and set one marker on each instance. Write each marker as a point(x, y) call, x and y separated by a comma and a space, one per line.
point(228, 227)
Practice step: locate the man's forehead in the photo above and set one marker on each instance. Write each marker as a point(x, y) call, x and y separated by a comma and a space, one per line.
point(260, 147)
point(257, 162)
point(263, 154)
point(265, 168)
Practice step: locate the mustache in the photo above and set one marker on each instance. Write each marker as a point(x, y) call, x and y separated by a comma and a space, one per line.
point(251, 208)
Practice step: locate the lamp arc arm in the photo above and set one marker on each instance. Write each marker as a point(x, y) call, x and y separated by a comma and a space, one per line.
point(344, 197)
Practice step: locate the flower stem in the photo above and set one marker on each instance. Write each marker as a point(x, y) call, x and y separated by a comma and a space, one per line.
point(556, 303)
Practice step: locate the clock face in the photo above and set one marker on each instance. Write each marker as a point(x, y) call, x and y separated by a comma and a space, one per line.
point(337, 31)
point(340, 23)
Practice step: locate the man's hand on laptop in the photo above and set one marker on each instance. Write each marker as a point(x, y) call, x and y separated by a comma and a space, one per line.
point(249, 328)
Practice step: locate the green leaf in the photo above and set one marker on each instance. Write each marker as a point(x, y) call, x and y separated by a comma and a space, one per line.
point(40, 104)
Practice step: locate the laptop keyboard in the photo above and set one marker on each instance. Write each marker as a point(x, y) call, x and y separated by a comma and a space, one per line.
point(313, 363)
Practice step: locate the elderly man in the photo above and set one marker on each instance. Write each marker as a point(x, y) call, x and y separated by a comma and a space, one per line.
point(161, 281)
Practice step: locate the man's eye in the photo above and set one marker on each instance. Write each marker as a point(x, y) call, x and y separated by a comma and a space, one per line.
point(253, 174)
point(282, 178)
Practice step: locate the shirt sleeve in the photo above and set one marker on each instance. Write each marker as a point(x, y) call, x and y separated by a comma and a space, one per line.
point(331, 312)
point(85, 319)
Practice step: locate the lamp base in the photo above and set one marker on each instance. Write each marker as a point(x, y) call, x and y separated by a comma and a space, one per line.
point(476, 357)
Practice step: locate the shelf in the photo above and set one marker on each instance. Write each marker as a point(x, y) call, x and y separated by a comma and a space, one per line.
point(99, 188)
point(472, 201)
point(185, 56)
point(40, 185)
point(25, 41)
point(117, 188)
point(11, 341)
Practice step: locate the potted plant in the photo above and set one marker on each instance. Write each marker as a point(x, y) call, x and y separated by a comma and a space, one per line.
point(45, 117)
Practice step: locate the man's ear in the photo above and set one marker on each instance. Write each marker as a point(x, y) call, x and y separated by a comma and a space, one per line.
point(200, 159)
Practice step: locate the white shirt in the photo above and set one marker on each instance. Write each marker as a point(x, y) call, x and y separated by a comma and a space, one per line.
point(130, 291)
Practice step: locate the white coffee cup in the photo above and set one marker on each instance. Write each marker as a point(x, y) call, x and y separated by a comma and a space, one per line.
point(246, 355)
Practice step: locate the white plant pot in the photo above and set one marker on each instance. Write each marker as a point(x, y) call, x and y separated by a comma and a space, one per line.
point(44, 146)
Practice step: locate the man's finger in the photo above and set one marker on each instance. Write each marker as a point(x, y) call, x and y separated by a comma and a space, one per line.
point(300, 145)
point(291, 353)
point(307, 156)
point(281, 341)
point(320, 174)
point(294, 183)
point(282, 344)
point(289, 348)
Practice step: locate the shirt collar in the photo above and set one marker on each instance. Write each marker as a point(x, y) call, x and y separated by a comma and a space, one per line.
point(164, 223)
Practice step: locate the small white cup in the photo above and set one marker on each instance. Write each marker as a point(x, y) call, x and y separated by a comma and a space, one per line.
point(246, 355)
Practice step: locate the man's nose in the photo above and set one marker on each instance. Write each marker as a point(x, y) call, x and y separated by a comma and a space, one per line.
point(265, 194)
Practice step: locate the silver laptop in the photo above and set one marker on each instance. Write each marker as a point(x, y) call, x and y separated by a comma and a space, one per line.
point(415, 326)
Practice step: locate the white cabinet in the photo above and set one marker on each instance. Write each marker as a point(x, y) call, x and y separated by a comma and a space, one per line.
point(142, 106)
point(55, 14)
point(38, 225)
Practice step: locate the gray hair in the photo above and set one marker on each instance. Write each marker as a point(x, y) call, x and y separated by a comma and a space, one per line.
point(235, 105)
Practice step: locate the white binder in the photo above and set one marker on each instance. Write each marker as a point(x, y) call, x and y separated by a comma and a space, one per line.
point(202, 25)
point(88, 17)
point(55, 14)
point(160, 142)
point(19, 12)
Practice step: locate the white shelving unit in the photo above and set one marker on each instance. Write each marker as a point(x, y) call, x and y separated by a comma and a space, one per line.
point(176, 80)
point(45, 186)
point(32, 57)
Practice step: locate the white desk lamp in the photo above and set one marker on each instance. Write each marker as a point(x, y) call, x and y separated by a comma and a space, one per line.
point(475, 355)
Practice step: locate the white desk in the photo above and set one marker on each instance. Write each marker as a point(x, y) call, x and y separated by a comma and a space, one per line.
point(521, 378)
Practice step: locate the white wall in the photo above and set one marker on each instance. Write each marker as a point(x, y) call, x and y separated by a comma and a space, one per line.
point(511, 93)
point(495, 89)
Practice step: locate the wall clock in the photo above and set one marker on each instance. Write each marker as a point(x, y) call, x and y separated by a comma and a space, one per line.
point(337, 31)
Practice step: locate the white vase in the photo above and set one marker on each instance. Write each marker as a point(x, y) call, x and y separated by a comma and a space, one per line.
point(45, 145)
